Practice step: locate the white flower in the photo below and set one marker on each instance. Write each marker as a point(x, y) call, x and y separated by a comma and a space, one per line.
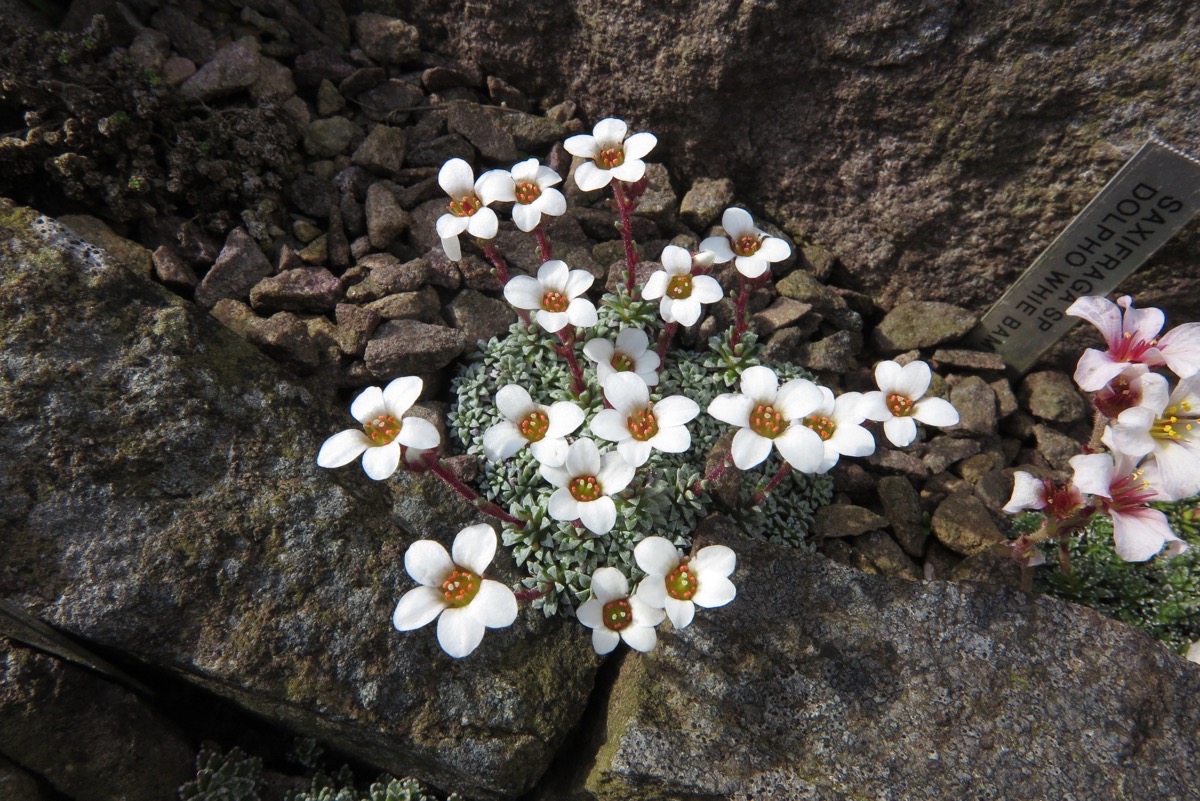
point(469, 200)
point(752, 250)
point(1193, 652)
point(679, 583)
point(1139, 532)
point(1028, 492)
point(1132, 338)
point(385, 429)
point(532, 187)
point(630, 353)
point(836, 422)
point(556, 296)
point(542, 428)
point(898, 403)
point(455, 589)
point(612, 155)
point(613, 615)
point(585, 484)
point(637, 425)
point(682, 293)
point(1167, 429)
point(769, 415)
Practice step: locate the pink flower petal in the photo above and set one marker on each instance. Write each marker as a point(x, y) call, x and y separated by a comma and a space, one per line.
point(1103, 314)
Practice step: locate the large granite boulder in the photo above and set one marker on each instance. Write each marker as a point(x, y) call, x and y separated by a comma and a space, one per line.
point(159, 496)
point(917, 140)
point(819, 682)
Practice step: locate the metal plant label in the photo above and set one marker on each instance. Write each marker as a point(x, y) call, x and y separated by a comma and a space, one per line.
point(1154, 195)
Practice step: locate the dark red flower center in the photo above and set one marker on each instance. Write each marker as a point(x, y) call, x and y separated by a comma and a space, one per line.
point(618, 615)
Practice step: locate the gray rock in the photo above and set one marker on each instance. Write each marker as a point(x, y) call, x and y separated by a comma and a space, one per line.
point(387, 275)
point(16, 784)
point(268, 580)
point(339, 242)
point(658, 202)
point(1006, 399)
point(845, 520)
point(1057, 447)
point(355, 324)
point(329, 99)
point(922, 324)
point(177, 69)
point(482, 127)
point(125, 251)
point(385, 219)
point(274, 82)
point(436, 152)
point(970, 359)
point(299, 290)
point(326, 138)
point(963, 524)
point(479, 317)
point(835, 353)
point(531, 132)
point(236, 66)
point(705, 202)
point(976, 405)
point(382, 151)
point(946, 451)
point(391, 101)
point(780, 314)
point(1052, 395)
point(325, 64)
point(240, 266)
point(880, 555)
point(818, 682)
point(799, 285)
point(423, 305)
point(192, 40)
point(407, 347)
point(902, 507)
point(150, 49)
point(171, 270)
point(90, 738)
point(386, 39)
point(504, 94)
point(362, 80)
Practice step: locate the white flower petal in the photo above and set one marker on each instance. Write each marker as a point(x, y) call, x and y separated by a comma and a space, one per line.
point(913, 380)
point(343, 448)
point(380, 462)
point(633, 341)
point(604, 640)
point(610, 131)
point(551, 451)
point(738, 223)
point(640, 638)
point(760, 384)
point(483, 224)
point(368, 405)
point(449, 226)
point(1095, 369)
point(547, 177)
point(656, 285)
point(626, 392)
point(609, 584)
point(799, 398)
point(417, 607)
point(610, 424)
point(873, 406)
point(615, 473)
point(552, 321)
point(671, 439)
point(802, 448)
point(495, 185)
point(1100, 312)
point(1028, 492)
point(887, 376)
point(639, 145)
point(1139, 533)
point(935, 412)
point(583, 459)
point(428, 563)
point(652, 591)
point(451, 247)
point(502, 441)
point(900, 431)
point(752, 266)
point(706, 289)
point(589, 177)
point(599, 350)
point(565, 417)
point(719, 247)
point(562, 505)
point(555, 474)
point(680, 613)
point(852, 440)
point(459, 632)
point(631, 171)
point(598, 516)
point(514, 402)
point(582, 145)
point(495, 606)
point(474, 548)
point(456, 178)
point(526, 217)
point(715, 560)
point(418, 433)
point(774, 249)
point(749, 449)
point(402, 393)
point(657, 556)
point(1093, 474)
point(634, 452)
point(524, 292)
point(582, 312)
point(732, 409)
point(591, 613)
point(1180, 348)
point(714, 591)
point(644, 614)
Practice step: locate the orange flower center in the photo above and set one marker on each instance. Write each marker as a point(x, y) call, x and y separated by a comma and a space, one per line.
point(468, 205)
point(642, 425)
point(618, 615)
point(681, 582)
point(610, 157)
point(899, 405)
point(622, 363)
point(679, 287)
point(534, 426)
point(383, 429)
point(461, 587)
point(554, 301)
point(766, 422)
point(747, 245)
point(822, 425)
point(527, 192)
point(585, 488)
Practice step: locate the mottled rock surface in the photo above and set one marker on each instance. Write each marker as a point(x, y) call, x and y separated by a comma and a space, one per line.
point(161, 497)
point(824, 684)
point(938, 147)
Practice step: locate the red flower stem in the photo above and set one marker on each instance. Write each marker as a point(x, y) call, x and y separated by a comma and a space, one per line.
point(567, 350)
point(767, 490)
point(501, 266)
point(456, 484)
point(529, 595)
point(543, 242)
point(739, 311)
point(626, 206)
point(664, 342)
point(713, 475)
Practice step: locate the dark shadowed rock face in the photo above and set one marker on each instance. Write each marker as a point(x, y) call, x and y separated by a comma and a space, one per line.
point(819, 682)
point(937, 146)
point(160, 496)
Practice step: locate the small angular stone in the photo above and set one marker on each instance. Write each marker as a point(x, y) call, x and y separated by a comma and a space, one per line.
point(780, 314)
point(963, 524)
point(945, 451)
point(315, 252)
point(505, 95)
point(990, 566)
point(286, 338)
point(387, 276)
point(362, 80)
point(329, 137)
point(177, 69)
point(300, 290)
point(531, 132)
point(479, 317)
point(976, 405)
point(881, 555)
point(922, 324)
point(192, 40)
point(338, 244)
point(705, 202)
point(1056, 446)
point(1051, 395)
point(799, 285)
point(274, 82)
point(240, 266)
point(902, 507)
point(845, 520)
point(422, 305)
point(385, 219)
point(1006, 400)
point(235, 67)
point(129, 254)
point(391, 101)
point(355, 324)
point(312, 195)
point(386, 39)
point(171, 271)
point(480, 125)
point(659, 202)
point(382, 151)
point(329, 99)
point(408, 347)
point(325, 64)
point(969, 359)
